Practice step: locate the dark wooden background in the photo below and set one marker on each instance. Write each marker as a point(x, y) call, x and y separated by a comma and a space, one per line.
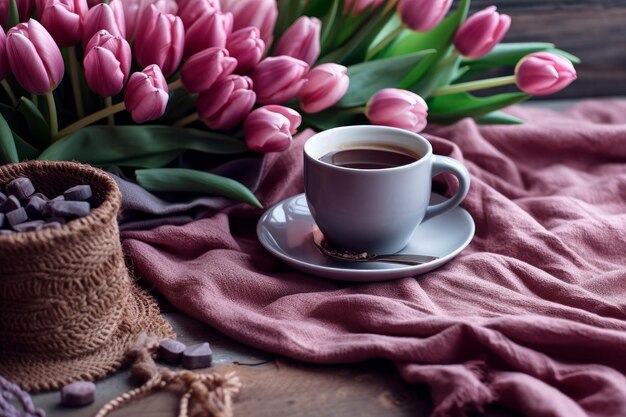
point(593, 30)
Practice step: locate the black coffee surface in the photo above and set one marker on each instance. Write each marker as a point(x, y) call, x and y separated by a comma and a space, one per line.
point(367, 158)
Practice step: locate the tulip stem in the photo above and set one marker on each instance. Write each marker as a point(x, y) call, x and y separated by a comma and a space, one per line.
point(52, 111)
point(78, 98)
point(474, 85)
point(108, 103)
point(93, 117)
point(7, 89)
point(175, 84)
point(385, 42)
point(187, 120)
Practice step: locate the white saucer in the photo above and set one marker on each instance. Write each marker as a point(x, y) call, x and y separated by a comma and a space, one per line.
point(286, 231)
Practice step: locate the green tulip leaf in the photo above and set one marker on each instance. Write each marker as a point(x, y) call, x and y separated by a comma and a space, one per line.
point(498, 118)
point(456, 106)
point(8, 151)
point(108, 145)
point(13, 17)
point(328, 24)
point(369, 77)
point(38, 128)
point(440, 39)
point(571, 57)
point(179, 179)
point(25, 150)
point(152, 161)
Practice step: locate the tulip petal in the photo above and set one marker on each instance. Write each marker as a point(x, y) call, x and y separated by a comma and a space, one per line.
point(26, 64)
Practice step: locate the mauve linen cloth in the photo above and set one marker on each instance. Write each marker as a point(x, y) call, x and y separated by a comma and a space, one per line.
point(531, 315)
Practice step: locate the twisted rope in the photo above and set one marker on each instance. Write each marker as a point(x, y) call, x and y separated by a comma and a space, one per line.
point(206, 395)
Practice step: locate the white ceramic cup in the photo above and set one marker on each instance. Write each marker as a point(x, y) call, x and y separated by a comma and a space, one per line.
point(375, 210)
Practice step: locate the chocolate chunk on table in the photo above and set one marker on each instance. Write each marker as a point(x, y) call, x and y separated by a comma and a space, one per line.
point(68, 208)
point(197, 356)
point(78, 193)
point(171, 351)
point(21, 187)
point(28, 226)
point(17, 216)
point(35, 207)
point(3, 197)
point(78, 394)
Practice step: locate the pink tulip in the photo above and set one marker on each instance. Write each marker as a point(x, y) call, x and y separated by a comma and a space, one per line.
point(301, 40)
point(247, 47)
point(259, 13)
point(107, 63)
point(190, 10)
point(134, 10)
point(160, 41)
point(423, 15)
point(326, 84)
point(359, 6)
point(109, 17)
point(146, 94)
point(279, 79)
point(24, 10)
point(4, 60)
point(397, 108)
point(209, 30)
point(203, 69)
point(481, 32)
point(63, 18)
point(270, 128)
point(227, 103)
point(544, 73)
point(34, 57)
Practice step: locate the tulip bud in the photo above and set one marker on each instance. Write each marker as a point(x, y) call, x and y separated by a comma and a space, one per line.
point(4, 60)
point(544, 73)
point(109, 17)
point(227, 103)
point(135, 9)
point(209, 30)
point(190, 10)
point(270, 128)
point(63, 18)
point(160, 41)
point(259, 13)
point(301, 40)
point(279, 79)
point(146, 94)
point(326, 84)
point(397, 108)
point(107, 63)
point(34, 57)
point(24, 10)
point(423, 15)
point(481, 32)
point(359, 6)
point(203, 69)
point(247, 47)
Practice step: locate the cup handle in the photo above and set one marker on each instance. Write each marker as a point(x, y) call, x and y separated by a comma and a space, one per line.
point(445, 164)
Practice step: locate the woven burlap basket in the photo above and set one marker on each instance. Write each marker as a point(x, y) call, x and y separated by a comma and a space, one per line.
point(68, 307)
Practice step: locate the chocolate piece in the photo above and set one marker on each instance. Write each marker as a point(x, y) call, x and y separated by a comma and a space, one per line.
point(171, 351)
point(28, 226)
point(58, 198)
point(69, 208)
point(21, 187)
point(35, 207)
point(78, 394)
point(197, 356)
point(78, 193)
point(10, 204)
point(17, 216)
point(40, 195)
point(50, 225)
point(3, 197)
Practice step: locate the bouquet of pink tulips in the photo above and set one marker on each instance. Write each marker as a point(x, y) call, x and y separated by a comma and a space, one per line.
point(145, 86)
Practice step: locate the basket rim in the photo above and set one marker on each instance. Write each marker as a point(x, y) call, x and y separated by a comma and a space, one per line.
point(97, 218)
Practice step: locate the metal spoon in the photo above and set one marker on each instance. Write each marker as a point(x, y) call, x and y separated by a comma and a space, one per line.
point(407, 259)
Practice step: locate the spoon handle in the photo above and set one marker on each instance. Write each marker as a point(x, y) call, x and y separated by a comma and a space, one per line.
point(404, 259)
